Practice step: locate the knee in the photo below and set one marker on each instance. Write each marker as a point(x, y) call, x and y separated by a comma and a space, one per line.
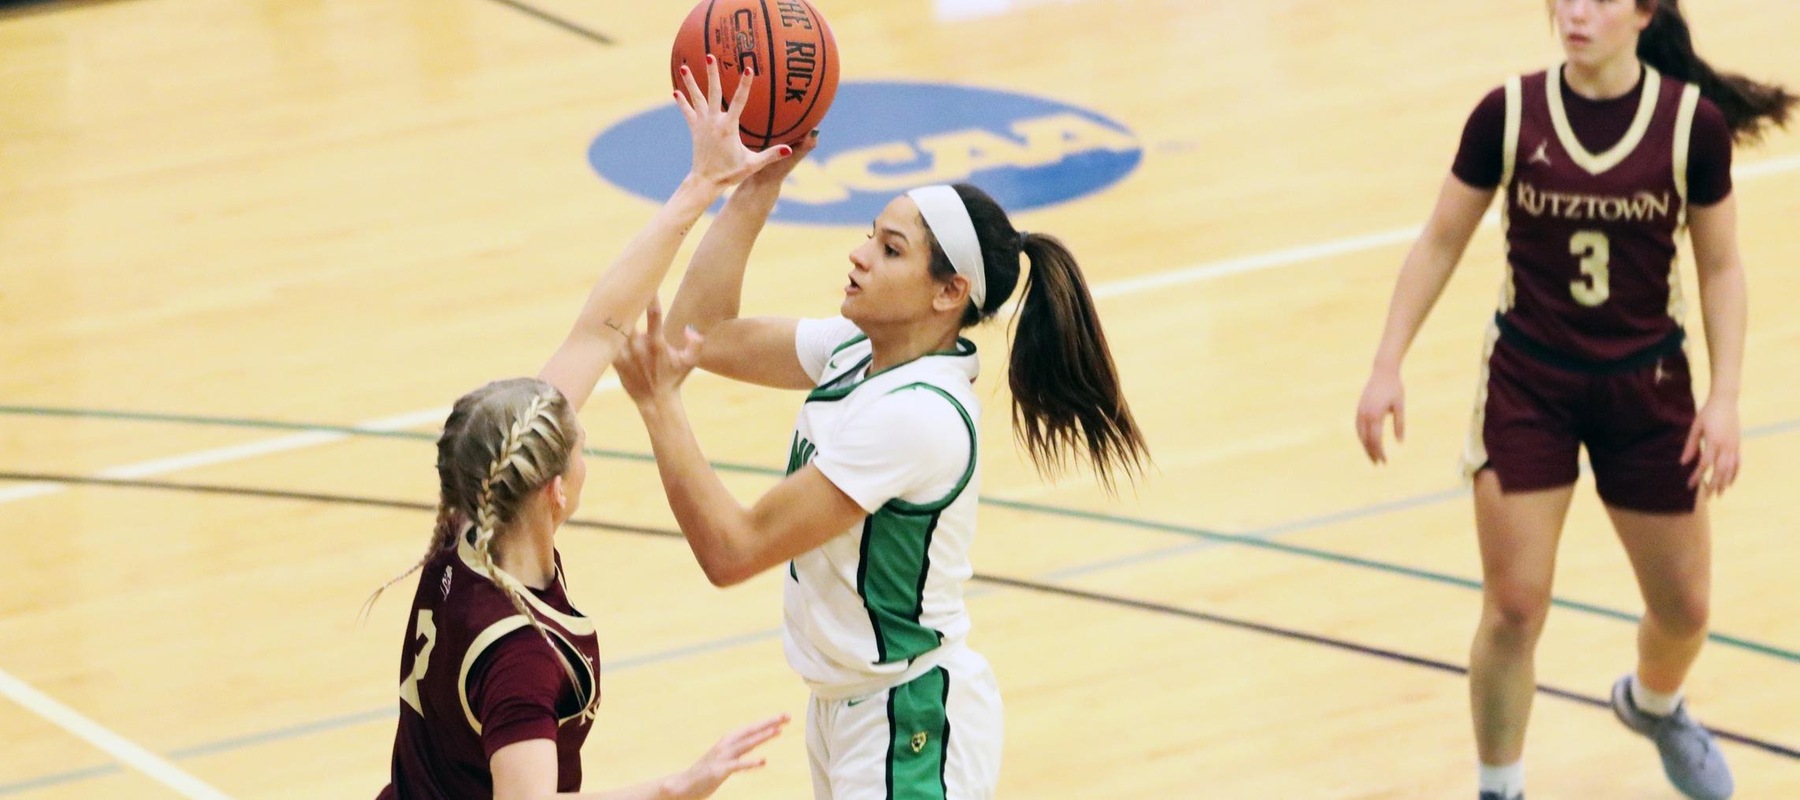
point(1681, 614)
point(1515, 613)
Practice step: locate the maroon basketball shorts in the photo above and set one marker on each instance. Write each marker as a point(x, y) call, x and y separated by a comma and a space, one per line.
point(1533, 416)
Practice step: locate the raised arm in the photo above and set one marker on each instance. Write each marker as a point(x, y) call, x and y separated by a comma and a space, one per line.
point(732, 543)
point(1422, 279)
point(720, 161)
point(757, 350)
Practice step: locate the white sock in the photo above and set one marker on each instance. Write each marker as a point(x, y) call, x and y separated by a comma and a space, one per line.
point(1507, 781)
point(1653, 702)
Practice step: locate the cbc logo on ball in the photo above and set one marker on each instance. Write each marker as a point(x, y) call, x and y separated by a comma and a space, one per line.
point(883, 138)
point(788, 46)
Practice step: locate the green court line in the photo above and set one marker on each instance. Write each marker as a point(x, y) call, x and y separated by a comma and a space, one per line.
point(1200, 534)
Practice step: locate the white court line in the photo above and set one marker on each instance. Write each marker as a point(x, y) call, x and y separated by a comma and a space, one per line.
point(236, 452)
point(26, 490)
point(1176, 277)
point(113, 744)
point(240, 452)
point(1339, 247)
point(222, 455)
point(1277, 258)
point(155, 768)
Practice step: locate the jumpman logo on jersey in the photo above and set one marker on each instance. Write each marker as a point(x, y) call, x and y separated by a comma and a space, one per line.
point(1542, 156)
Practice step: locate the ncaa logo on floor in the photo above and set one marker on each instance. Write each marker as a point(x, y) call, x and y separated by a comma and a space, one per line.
point(882, 138)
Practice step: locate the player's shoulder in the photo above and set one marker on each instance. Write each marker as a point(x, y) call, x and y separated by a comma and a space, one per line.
point(1709, 117)
point(1492, 105)
point(924, 409)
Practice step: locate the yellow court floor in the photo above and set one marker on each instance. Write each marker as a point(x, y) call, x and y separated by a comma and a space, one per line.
point(250, 251)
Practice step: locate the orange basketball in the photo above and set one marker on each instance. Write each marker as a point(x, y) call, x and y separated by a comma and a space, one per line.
point(786, 43)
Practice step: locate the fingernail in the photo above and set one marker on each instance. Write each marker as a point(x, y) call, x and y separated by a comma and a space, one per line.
point(787, 151)
point(709, 59)
point(749, 73)
point(684, 69)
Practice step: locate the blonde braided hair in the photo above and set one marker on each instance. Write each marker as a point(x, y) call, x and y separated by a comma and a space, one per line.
point(501, 443)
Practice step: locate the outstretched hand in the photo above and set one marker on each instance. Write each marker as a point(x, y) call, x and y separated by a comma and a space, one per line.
point(720, 157)
point(648, 366)
point(727, 758)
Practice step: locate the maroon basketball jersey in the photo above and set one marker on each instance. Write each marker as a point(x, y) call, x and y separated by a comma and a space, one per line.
point(458, 615)
point(1590, 237)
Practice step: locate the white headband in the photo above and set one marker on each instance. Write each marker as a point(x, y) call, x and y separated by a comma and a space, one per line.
point(949, 220)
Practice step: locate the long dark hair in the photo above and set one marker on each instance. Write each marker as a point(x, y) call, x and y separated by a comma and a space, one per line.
point(1066, 398)
point(1749, 106)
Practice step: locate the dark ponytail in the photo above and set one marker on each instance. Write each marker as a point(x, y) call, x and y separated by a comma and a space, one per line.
point(1748, 106)
point(1067, 403)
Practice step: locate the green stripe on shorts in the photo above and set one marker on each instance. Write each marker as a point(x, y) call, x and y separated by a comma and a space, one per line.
point(918, 737)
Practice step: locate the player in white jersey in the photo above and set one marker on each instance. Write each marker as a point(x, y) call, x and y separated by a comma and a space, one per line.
point(875, 519)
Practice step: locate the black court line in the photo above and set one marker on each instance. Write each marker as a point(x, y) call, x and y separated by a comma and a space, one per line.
point(586, 33)
point(22, 8)
point(997, 580)
point(1349, 646)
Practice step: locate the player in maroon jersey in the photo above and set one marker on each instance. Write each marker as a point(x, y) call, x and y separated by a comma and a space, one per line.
point(1600, 163)
point(499, 674)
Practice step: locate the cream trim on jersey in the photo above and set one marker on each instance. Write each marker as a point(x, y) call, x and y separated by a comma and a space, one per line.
point(1684, 137)
point(482, 642)
point(580, 626)
point(1475, 455)
point(1565, 133)
point(495, 633)
point(1509, 162)
point(1509, 151)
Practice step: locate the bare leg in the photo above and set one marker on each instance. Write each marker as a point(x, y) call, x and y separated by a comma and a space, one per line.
point(1672, 556)
point(1518, 533)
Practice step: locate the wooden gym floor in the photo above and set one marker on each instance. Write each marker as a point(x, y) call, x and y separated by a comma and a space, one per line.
point(251, 249)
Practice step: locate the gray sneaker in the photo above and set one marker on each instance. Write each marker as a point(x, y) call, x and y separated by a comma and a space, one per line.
point(1690, 757)
point(1496, 796)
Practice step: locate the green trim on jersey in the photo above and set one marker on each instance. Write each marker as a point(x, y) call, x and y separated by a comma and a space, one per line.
point(800, 451)
point(895, 560)
point(919, 737)
point(831, 390)
point(890, 576)
point(847, 343)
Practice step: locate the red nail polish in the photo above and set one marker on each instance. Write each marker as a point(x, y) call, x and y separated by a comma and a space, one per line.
point(787, 151)
point(709, 59)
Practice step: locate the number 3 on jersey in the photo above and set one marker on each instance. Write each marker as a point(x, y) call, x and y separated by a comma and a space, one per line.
point(1594, 285)
point(409, 688)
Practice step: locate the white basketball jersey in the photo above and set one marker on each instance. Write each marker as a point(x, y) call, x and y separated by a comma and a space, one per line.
point(870, 608)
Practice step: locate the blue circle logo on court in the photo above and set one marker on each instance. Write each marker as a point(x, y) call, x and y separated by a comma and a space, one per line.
point(882, 138)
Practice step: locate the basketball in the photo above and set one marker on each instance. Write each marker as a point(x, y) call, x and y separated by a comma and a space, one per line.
point(788, 46)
